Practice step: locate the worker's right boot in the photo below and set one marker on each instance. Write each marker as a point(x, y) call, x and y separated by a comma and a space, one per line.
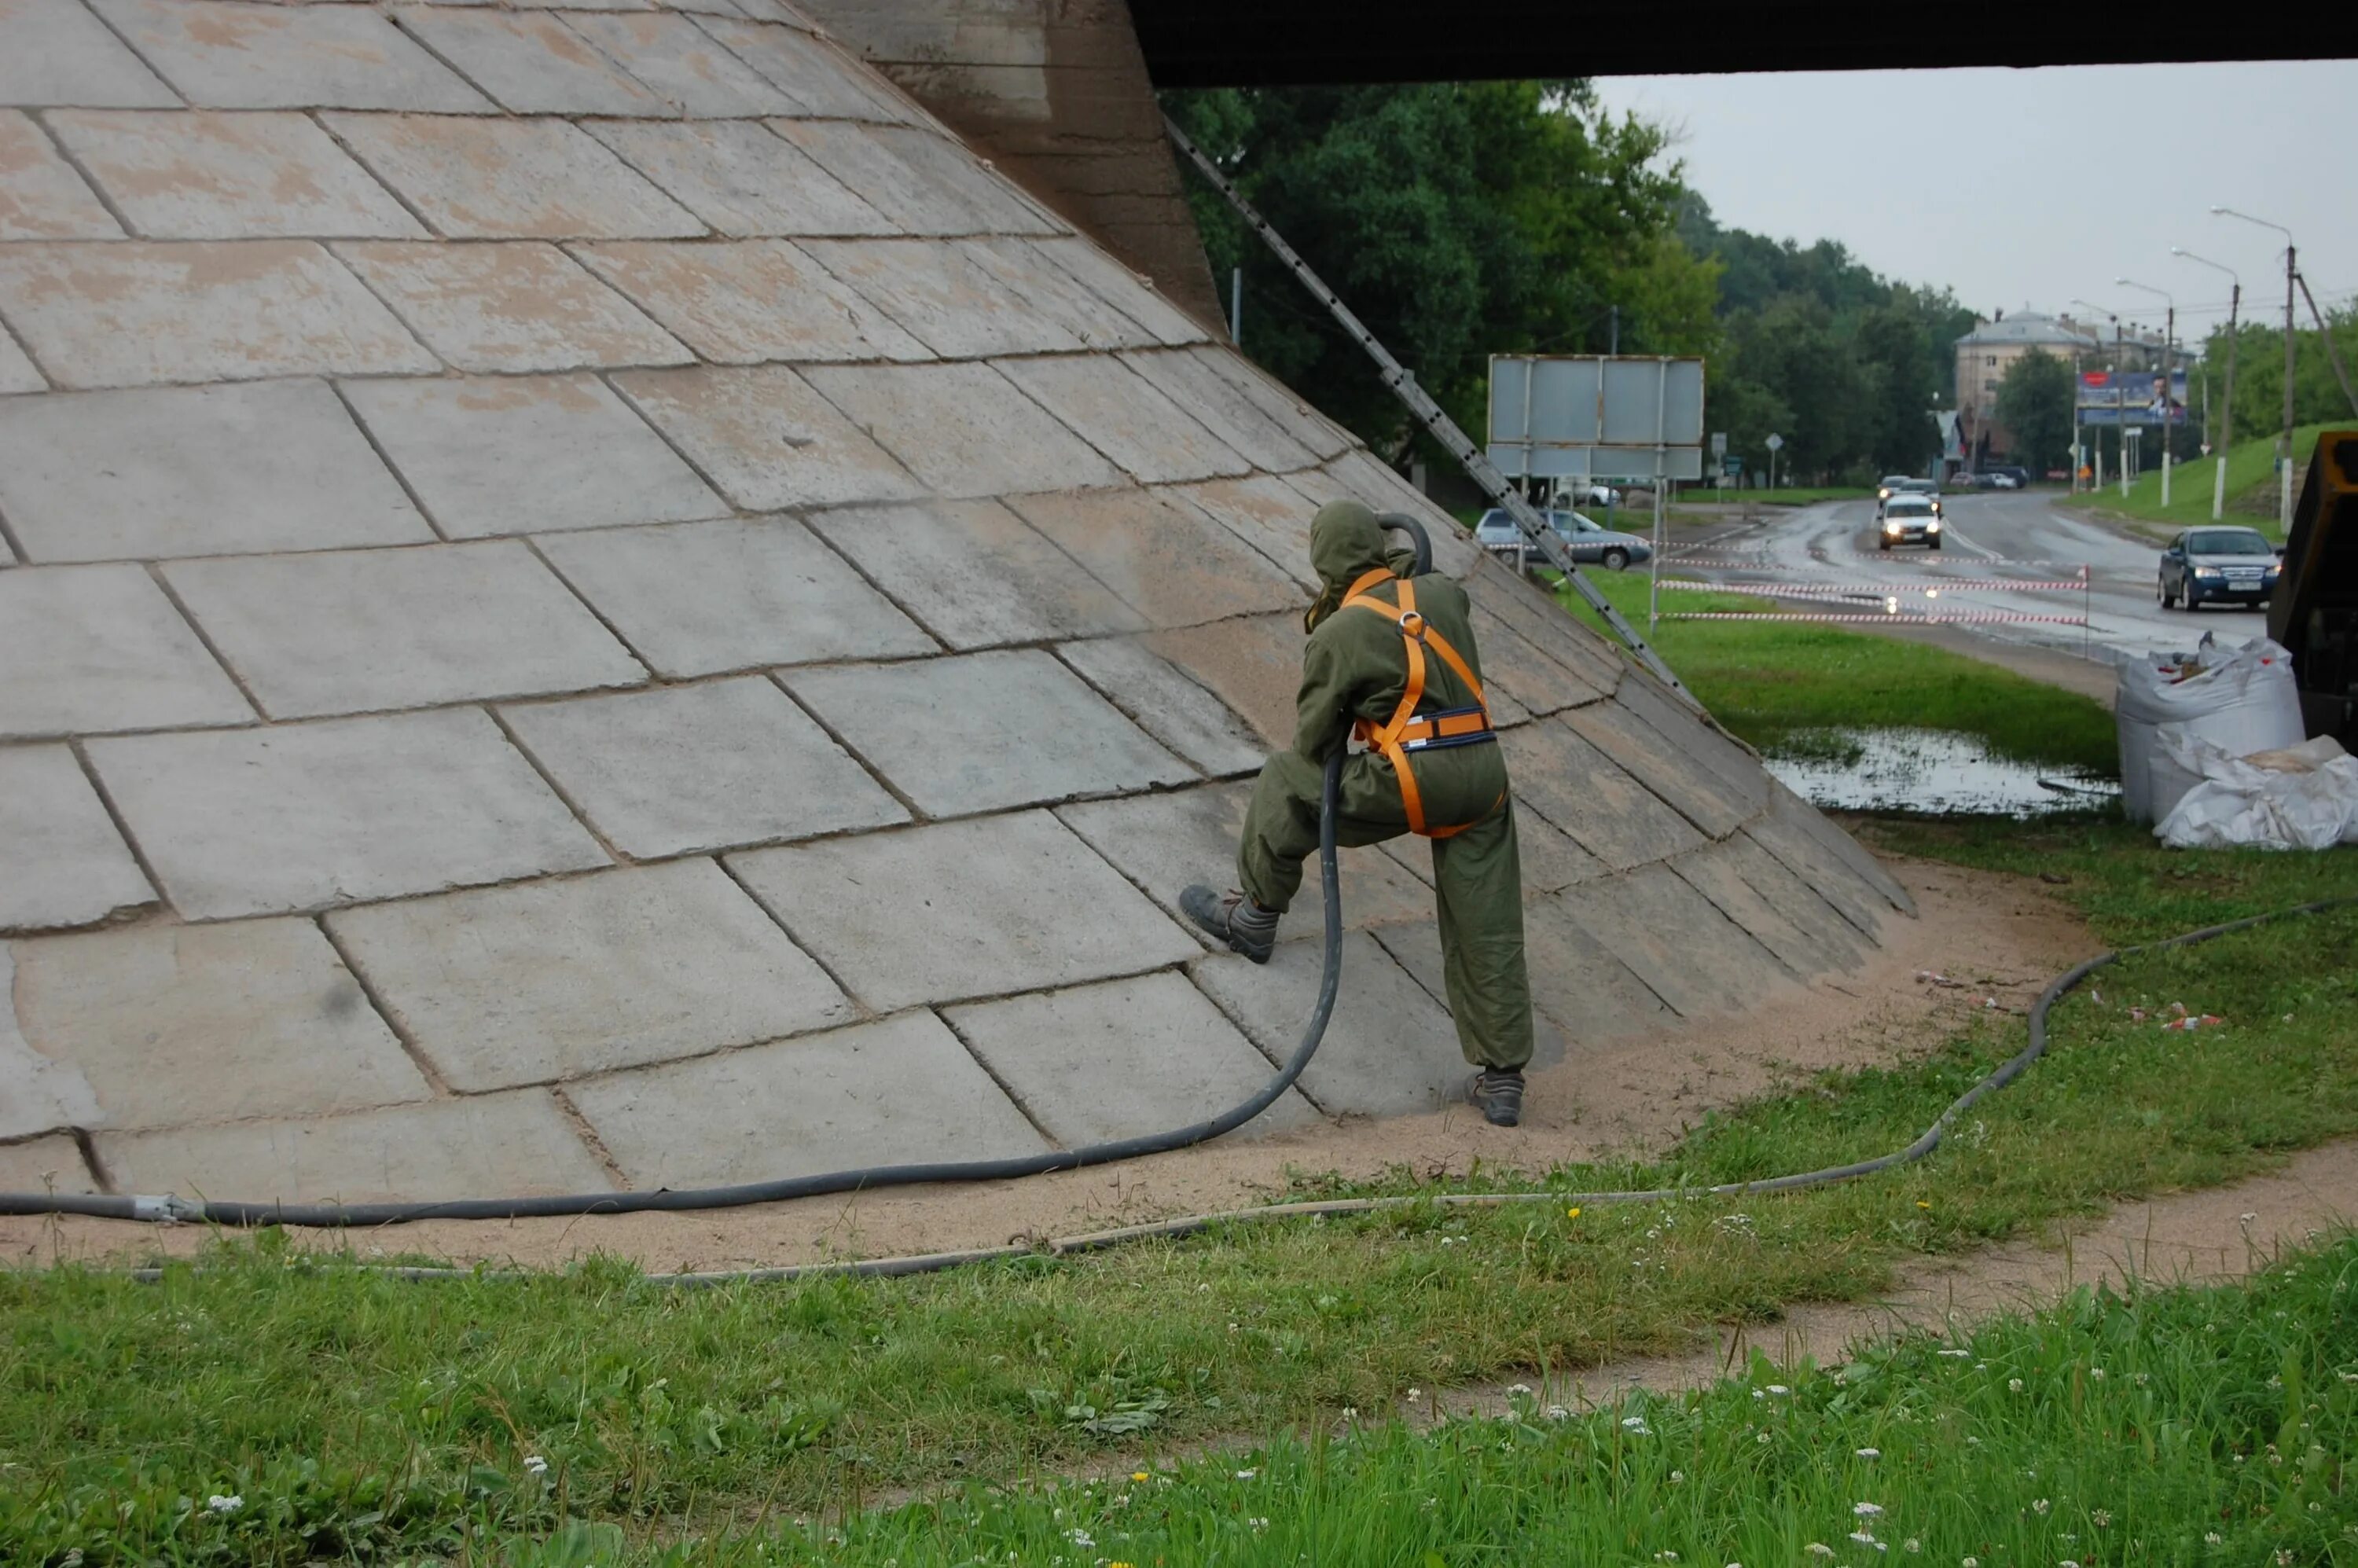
point(1235, 919)
point(1498, 1094)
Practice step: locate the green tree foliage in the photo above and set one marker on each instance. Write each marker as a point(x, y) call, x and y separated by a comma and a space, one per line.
point(1459, 220)
point(2260, 372)
point(2034, 402)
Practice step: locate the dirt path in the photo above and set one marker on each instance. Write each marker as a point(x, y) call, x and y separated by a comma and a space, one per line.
point(2003, 936)
point(2217, 1234)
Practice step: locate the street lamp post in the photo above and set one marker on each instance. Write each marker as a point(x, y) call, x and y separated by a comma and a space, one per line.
point(2227, 414)
point(2121, 455)
point(2284, 442)
point(2169, 327)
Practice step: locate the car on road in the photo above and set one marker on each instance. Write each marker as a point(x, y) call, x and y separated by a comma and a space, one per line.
point(2009, 476)
point(1909, 518)
point(1897, 484)
point(1590, 545)
point(2217, 566)
point(1884, 487)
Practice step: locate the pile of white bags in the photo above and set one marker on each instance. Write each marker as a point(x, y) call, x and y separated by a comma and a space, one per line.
point(2242, 703)
point(2298, 797)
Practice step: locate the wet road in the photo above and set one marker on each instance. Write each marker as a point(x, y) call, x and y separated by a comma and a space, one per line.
point(1992, 539)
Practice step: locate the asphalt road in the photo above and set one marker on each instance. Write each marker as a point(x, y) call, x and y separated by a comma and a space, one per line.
point(1826, 555)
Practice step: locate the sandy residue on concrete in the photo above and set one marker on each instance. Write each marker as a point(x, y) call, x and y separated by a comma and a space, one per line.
point(2004, 936)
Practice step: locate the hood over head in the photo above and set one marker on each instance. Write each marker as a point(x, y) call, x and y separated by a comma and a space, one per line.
point(1347, 541)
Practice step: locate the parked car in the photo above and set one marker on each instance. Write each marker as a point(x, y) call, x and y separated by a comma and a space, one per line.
point(1590, 495)
point(2010, 476)
point(1590, 545)
point(2217, 566)
point(1910, 517)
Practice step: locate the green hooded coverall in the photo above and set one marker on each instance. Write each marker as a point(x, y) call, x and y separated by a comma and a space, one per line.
point(1356, 666)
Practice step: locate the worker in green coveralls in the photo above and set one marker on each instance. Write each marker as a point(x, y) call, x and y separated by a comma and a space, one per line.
point(1391, 662)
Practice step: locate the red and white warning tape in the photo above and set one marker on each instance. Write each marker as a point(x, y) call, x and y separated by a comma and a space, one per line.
point(1886, 620)
point(1866, 585)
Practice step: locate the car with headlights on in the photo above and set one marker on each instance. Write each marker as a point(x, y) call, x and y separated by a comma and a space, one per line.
point(2218, 566)
point(1909, 517)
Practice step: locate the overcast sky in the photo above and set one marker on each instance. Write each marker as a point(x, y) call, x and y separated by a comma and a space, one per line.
point(2030, 186)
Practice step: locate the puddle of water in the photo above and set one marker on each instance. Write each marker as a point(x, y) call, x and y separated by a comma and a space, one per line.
point(1932, 771)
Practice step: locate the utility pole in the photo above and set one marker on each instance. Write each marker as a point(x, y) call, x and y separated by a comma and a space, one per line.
point(2121, 451)
point(1237, 308)
point(1613, 332)
point(2227, 412)
point(2169, 405)
point(2325, 333)
point(2284, 442)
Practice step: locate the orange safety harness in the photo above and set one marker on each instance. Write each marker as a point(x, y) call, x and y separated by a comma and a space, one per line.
point(1405, 731)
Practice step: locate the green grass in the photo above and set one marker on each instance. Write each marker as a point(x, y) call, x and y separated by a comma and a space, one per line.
point(1773, 683)
point(2252, 494)
point(357, 1415)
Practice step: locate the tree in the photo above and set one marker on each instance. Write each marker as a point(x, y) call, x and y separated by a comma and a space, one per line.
point(2034, 402)
point(2259, 374)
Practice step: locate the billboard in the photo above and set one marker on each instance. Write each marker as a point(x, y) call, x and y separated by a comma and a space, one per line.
point(2130, 397)
point(1596, 417)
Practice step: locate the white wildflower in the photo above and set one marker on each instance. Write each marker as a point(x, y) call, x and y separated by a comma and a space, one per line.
point(2014, 1385)
point(1957, 1354)
point(1350, 1413)
point(1080, 1538)
point(2097, 1374)
point(1866, 1510)
point(1780, 1389)
point(1414, 1395)
point(1637, 1424)
point(219, 1504)
point(2038, 1505)
point(1762, 1438)
point(1678, 1478)
point(1247, 1474)
point(1819, 1549)
point(1970, 1562)
point(1911, 1544)
point(2100, 1518)
point(1257, 1525)
point(535, 1464)
point(1557, 1412)
point(1868, 1453)
point(1518, 1390)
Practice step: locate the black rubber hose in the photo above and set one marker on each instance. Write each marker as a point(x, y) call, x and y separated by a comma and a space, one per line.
point(331, 1215)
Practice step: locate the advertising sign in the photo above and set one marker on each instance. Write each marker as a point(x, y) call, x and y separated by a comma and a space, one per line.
point(2131, 397)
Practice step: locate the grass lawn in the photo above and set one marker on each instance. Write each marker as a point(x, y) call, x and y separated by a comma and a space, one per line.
point(1772, 683)
point(2252, 494)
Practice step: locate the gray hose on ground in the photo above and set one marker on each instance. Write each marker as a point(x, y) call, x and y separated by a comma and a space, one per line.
point(1999, 1077)
point(331, 1215)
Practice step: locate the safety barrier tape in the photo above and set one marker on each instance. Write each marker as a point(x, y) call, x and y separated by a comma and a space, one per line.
point(1884, 619)
point(1935, 586)
point(1787, 564)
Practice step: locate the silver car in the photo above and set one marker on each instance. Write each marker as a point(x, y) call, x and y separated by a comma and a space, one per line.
point(1590, 545)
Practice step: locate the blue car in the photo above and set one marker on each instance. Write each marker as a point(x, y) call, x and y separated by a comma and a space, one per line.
point(2217, 566)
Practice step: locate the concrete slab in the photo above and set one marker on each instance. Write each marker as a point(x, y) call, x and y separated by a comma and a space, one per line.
point(1286, 407)
point(1195, 380)
point(1165, 704)
point(1544, 625)
point(1056, 293)
point(1162, 842)
point(556, 979)
point(1513, 668)
point(963, 430)
point(742, 179)
point(975, 573)
point(820, 79)
point(1254, 665)
point(766, 438)
point(1116, 411)
point(686, 769)
point(1552, 862)
point(1390, 1049)
point(1732, 765)
point(61, 862)
point(897, 1091)
point(307, 817)
point(1123, 1059)
point(224, 56)
point(1417, 949)
point(54, 53)
point(1811, 940)
point(531, 64)
point(37, 1094)
point(177, 1025)
point(520, 1143)
point(89, 649)
point(275, 465)
point(361, 631)
point(478, 179)
point(1715, 807)
point(1579, 984)
point(945, 296)
point(229, 177)
point(1170, 562)
point(985, 731)
point(516, 307)
point(748, 301)
point(1686, 951)
point(133, 315)
point(960, 910)
point(42, 197)
point(1791, 810)
point(925, 183)
point(705, 598)
point(1579, 789)
point(1265, 513)
point(51, 1164)
point(17, 373)
point(683, 64)
point(522, 455)
point(1131, 294)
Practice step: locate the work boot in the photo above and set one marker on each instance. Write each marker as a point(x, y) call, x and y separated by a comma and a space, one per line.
point(1498, 1094)
point(1244, 926)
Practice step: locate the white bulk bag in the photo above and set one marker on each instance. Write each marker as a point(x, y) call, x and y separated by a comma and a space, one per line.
point(2245, 703)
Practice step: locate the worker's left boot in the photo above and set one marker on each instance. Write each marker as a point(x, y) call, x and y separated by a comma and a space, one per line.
point(1235, 919)
point(1498, 1094)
